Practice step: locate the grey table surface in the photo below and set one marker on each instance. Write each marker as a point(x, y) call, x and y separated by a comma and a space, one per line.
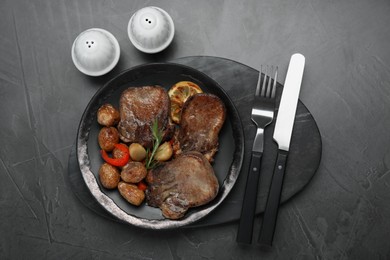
point(344, 212)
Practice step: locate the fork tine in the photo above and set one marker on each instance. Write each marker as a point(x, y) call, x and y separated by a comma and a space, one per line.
point(275, 81)
point(266, 86)
point(258, 83)
point(268, 94)
point(264, 82)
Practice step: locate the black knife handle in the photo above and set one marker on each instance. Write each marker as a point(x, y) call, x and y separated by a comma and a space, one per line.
point(245, 228)
point(272, 207)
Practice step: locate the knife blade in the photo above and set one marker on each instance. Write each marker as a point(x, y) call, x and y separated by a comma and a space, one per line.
point(282, 136)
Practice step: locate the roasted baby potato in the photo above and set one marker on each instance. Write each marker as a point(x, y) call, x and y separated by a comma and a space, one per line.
point(137, 152)
point(117, 153)
point(133, 172)
point(164, 152)
point(108, 137)
point(131, 193)
point(108, 115)
point(109, 176)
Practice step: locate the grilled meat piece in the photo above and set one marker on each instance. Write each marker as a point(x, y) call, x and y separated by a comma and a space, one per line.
point(202, 118)
point(138, 108)
point(186, 181)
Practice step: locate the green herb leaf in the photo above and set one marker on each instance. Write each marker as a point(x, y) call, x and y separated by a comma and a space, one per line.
point(157, 138)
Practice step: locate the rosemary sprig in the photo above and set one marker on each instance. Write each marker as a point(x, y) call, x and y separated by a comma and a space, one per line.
point(157, 138)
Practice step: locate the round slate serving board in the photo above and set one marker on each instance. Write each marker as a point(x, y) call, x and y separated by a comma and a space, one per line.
point(239, 81)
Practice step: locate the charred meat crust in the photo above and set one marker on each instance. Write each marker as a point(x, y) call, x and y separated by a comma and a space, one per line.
point(186, 181)
point(138, 108)
point(202, 118)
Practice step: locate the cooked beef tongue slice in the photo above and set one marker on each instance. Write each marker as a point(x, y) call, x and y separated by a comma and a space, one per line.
point(138, 108)
point(186, 181)
point(202, 118)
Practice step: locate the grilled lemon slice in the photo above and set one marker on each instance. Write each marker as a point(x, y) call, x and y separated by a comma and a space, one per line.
point(178, 94)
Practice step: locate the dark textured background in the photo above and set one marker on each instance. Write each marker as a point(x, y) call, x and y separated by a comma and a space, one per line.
point(344, 212)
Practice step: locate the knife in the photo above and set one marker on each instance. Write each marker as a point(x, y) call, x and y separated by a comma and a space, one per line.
point(282, 136)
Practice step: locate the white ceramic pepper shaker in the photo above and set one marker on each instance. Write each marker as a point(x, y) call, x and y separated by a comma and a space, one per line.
point(151, 29)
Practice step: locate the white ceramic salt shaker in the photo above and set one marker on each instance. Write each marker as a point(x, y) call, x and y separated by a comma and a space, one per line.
point(95, 52)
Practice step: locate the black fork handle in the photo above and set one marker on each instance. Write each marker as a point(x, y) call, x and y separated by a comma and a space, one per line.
point(245, 229)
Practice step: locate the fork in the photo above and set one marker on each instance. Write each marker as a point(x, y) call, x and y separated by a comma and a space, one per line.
point(262, 115)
